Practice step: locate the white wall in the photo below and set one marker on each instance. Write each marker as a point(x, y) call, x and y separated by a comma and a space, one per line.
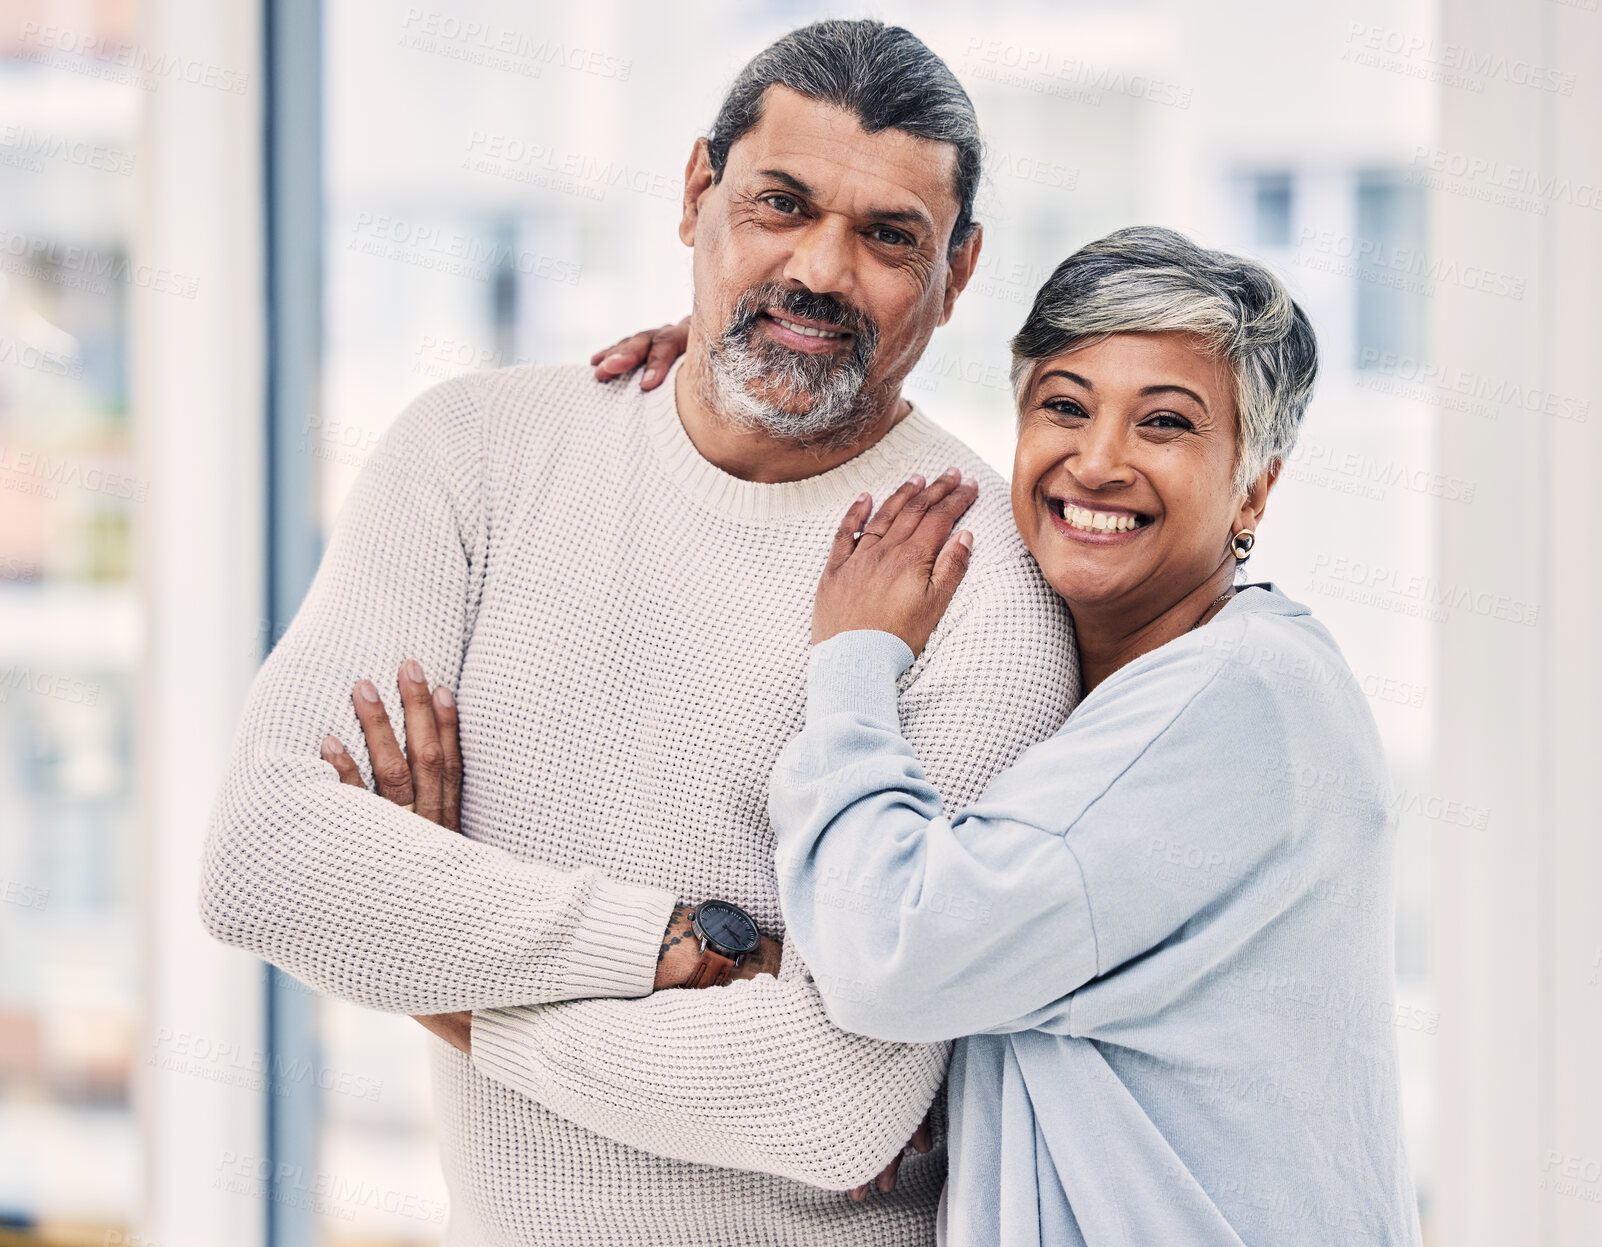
point(197, 384)
point(1518, 923)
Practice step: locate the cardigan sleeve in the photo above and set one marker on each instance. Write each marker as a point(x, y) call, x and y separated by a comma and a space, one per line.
point(990, 919)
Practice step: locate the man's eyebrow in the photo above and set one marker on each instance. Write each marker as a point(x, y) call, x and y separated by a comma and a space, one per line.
point(898, 216)
point(789, 180)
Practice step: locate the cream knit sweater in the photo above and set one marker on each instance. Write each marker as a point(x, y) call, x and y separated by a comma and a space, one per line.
point(626, 629)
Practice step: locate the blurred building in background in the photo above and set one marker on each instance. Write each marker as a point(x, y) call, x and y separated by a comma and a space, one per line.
point(499, 184)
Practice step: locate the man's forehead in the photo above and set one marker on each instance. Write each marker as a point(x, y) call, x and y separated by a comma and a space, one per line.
point(826, 148)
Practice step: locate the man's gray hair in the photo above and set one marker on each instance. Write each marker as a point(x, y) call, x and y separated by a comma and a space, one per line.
point(885, 76)
point(1150, 280)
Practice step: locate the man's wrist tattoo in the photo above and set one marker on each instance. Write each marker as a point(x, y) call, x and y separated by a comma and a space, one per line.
point(680, 921)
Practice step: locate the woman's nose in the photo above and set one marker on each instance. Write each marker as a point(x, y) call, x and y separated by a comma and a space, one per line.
point(1102, 457)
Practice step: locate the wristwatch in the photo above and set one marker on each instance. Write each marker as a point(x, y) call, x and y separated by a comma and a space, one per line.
point(727, 934)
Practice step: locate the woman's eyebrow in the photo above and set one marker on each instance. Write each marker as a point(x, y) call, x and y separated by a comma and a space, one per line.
point(1173, 389)
point(1071, 376)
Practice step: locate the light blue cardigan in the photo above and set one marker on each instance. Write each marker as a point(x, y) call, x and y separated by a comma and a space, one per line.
point(1166, 933)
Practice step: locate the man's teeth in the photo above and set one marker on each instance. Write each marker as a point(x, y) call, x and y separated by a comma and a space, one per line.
point(1098, 521)
point(806, 332)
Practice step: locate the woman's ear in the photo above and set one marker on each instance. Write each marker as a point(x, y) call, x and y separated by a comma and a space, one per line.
point(698, 180)
point(1255, 502)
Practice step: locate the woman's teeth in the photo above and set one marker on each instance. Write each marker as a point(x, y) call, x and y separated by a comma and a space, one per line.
point(1099, 521)
point(805, 331)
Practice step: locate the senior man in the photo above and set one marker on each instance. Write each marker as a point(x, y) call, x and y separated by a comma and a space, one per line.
point(618, 585)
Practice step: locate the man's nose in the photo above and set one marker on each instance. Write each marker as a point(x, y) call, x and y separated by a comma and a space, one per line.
point(824, 258)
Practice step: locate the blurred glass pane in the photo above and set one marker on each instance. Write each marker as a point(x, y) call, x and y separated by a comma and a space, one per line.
point(69, 625)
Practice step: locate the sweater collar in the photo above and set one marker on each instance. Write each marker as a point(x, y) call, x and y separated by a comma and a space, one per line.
point(717, 490)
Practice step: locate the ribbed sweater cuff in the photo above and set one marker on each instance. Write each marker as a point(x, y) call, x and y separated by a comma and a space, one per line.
point(855, 673)
point(615, 945)
point(499, 1039)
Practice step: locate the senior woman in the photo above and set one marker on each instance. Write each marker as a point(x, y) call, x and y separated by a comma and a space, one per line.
point(1163, 937)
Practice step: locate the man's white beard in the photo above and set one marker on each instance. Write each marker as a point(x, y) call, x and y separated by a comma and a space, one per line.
point(798, 397)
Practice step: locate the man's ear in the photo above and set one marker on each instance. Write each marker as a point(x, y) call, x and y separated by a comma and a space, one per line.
point(960, 268)
point(698, 181)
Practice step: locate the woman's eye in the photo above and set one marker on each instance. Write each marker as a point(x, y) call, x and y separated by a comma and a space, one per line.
point(1063, 407)
point(1168, 420)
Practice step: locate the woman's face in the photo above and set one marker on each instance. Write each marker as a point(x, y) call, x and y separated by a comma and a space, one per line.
point(1121, 482)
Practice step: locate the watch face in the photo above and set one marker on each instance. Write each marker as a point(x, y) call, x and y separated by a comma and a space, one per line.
point(728, 927)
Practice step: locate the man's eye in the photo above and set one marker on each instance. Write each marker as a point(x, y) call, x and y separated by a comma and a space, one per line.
point(890, 237)
point(781, 203)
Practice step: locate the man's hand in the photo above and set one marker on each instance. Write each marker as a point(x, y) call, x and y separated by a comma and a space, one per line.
point(897, 570)
point(921, 1141)
point(427, 777)
point(681, 950)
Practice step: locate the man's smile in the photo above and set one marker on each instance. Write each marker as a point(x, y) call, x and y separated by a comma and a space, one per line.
point(797, 332)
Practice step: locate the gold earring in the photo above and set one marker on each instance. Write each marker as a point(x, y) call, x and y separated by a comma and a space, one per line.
point(1241, 543)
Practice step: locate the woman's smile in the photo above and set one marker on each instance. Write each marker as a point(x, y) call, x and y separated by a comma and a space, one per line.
point(1096, 525)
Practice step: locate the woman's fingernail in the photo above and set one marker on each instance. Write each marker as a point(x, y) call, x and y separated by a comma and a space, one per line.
point(614, 361)
point(412, 670)
point(650, 376)
point(332, 748)
point(442, 696)
point(367, 690)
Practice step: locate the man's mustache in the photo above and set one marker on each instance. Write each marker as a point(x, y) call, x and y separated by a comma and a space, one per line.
point(804, 305)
